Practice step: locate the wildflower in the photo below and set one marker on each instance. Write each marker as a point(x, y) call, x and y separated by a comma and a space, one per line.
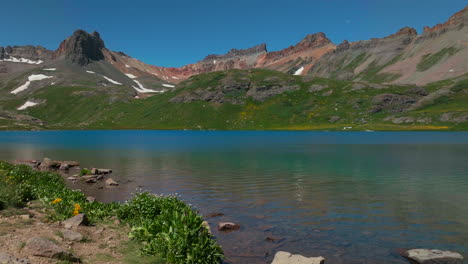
point(58, 200)
point(77, 209)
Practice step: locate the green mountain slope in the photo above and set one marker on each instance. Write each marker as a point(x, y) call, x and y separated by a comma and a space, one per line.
point(249, 99)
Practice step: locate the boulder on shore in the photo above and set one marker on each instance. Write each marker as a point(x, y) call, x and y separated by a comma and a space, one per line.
point(75, 221)
point(7, 259)
point(431, 256)
point(42, 247)
point(282, 257)
point(71, 235)
point(48, 164)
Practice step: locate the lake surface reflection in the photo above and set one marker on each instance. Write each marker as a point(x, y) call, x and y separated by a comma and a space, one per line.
point(350, 197)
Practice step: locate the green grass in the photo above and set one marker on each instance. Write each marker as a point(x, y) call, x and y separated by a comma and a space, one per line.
point(430, 59)
point(372, 72)
point(67, 108)
point(167, 227)
point(358, 60)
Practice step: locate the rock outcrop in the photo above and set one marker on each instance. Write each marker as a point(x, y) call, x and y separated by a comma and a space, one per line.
point(82, 48)
point(42, 247)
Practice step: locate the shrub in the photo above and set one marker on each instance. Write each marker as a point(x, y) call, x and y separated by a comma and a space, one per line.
point(167, 226)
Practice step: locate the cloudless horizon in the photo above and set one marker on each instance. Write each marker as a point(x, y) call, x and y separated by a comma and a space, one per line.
point(176, 33)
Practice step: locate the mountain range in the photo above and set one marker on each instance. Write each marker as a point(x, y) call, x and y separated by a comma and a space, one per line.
point(403, 81)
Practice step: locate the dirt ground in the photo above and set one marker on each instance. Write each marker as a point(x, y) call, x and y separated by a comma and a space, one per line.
point(102, 243)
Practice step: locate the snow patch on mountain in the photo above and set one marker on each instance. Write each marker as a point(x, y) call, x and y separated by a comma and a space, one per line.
point(22, 60)
point(110, 80)
point(299, 71)
point(50, 69)
point(91, 72)
point(142, 89)
point(27, 105)
point(168, 85)
point(131, 76)
point(34, 77)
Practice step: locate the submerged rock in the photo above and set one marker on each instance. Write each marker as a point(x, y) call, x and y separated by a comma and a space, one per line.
point(211, 215)
point(432, 256)
point(111, 182)
point(228, 226)
point(282, 257)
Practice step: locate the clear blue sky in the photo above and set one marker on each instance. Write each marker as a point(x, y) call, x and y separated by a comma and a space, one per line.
point(178, 32)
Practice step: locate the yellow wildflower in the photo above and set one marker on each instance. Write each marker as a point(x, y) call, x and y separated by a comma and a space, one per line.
point(58, 200)
point(77, 209)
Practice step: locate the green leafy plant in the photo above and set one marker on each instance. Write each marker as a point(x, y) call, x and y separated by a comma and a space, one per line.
point(168, 227)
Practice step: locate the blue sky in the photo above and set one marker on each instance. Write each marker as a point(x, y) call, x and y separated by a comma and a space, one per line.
point(178, 32)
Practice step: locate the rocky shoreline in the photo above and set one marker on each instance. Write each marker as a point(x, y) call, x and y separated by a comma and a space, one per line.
point(38, 240)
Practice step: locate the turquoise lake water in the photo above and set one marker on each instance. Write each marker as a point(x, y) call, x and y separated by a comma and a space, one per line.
point(351, 197)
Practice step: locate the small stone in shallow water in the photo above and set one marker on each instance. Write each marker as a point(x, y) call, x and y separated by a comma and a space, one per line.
point(431, 256)
point(111, 182)
point(228, 226)
point(211, 215)
point(282, 257)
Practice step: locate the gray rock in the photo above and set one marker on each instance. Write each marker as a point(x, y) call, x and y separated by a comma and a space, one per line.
point(71, 235)
point(403, 120)
point(228, 226)
point(461, 118)
point(333, 119)
point(424, 120)
point(64, 166)
point(327, 93)
point(111, 182)
point(432, 256)
point(282, 257)
point(75, 221)
point(317, 87)
point(101, 171)
point(47, 164)
point(358, 86)
point(393, 102)
point(42, 247)
point(7, 259)
point(91, 180)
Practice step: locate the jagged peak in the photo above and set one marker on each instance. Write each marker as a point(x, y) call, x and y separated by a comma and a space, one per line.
point(315, 36)
point(456, 19)
point(82, 47)
point(405, 31)
point(343, 46)
point(239, 52)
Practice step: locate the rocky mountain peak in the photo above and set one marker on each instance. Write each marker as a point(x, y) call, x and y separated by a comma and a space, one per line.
point(406, 31)
point(82, 48)
point(239, 52)
point(458, 18)
point(317, 39)
point(343, 46)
